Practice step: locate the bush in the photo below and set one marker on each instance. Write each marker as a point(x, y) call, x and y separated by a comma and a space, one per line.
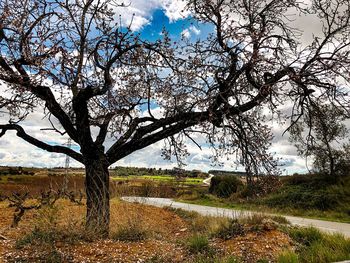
point(224, 185)
point(229, 229)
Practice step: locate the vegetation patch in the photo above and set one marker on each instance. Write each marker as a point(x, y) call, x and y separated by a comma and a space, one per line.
point(198, 244)
point(229, 229)
point(313, 246)
point(224, 185)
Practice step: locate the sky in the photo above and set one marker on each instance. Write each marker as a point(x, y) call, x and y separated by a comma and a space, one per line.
point(149, 18)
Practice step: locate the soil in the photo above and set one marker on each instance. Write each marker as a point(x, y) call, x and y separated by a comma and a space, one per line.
point(166, 236)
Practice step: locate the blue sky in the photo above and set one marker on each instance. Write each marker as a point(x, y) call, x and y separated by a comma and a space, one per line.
point(149, 17)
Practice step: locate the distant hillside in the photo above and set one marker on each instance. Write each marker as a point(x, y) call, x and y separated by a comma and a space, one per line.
point(116, 171)
point(220, 172)
point(141, 171)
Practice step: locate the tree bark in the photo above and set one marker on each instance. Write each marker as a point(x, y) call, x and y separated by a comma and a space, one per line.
point(97, 195)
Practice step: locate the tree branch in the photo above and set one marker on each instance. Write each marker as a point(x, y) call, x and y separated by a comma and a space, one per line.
point(57, 149)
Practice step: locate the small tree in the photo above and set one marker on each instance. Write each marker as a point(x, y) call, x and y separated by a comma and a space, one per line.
point(92, 78)
point(320, 136)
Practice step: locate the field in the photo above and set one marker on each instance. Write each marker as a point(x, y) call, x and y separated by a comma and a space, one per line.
point(163, 185)
point(141, 233)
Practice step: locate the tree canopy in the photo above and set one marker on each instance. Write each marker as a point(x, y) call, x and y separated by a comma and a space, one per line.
point(74, 61)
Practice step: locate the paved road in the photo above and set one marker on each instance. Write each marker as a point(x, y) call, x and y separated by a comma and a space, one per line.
point(327, 226)
point(208, 180)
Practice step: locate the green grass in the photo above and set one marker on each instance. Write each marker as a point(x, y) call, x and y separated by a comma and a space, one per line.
point(288, 257)
point(313, 246)
point(198, 244)
point(5, 179)
point(161, 178)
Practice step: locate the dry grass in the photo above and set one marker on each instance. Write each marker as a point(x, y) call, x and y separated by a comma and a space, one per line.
point(138, 232)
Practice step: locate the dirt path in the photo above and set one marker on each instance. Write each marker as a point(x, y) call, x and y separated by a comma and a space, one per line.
point(328, 226)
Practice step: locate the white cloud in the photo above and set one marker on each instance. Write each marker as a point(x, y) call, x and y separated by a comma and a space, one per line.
point(139, 12)
point(175, 9)
point(186, 33)
point(195, 30)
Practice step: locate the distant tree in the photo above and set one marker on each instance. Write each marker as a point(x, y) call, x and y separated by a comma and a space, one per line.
point(92, 78)
point(323, 136)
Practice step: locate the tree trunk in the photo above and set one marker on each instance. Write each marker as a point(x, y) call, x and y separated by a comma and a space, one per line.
point(97, 195)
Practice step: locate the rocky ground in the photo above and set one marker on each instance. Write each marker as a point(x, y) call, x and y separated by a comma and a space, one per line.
point(56, 235)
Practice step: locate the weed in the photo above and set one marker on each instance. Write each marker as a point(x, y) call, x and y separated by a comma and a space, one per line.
point(198, 244)
point(305, 236)
point(229, 229)
point(205, 224)
point(330, 248)
point(128, 233)
point(288, 256)
point(132, 230)
point(36, 237)
point(186, 215)
point(53, 256)
point(317, 247)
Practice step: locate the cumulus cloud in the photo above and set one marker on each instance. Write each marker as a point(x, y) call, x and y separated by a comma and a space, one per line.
point(188, 32)
point(139, 12)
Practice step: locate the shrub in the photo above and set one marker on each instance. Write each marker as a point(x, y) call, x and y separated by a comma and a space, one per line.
point(224, 185)
point(147, 189)
point(259, 222)
point(309, 196)
point(198, 244)
point(229, 229)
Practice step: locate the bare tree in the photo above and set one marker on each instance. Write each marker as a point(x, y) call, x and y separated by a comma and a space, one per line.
point(74, 60)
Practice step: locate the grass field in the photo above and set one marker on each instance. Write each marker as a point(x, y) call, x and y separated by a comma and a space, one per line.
point(161, 178)
point(147, 185)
